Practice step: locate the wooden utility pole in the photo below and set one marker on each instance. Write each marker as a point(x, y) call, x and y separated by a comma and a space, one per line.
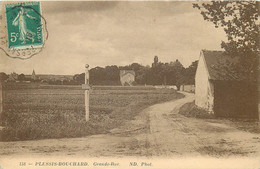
point(86, 88)
point(1, 101)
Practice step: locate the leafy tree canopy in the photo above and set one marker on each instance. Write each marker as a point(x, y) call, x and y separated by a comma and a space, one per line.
point(3, 76)
point(239, 20)
point(241, 25)
point(21, 77)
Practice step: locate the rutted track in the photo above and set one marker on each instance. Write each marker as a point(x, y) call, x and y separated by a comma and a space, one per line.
point(157, 131)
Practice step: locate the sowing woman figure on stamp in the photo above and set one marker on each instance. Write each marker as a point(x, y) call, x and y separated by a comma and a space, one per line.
point(21, 22)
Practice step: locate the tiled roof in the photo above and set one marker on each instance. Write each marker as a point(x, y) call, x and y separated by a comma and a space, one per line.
point(124, 72)
point(221, 66)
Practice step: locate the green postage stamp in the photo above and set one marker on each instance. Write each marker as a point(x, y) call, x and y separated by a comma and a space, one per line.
point(24, 25)
point(23, 29)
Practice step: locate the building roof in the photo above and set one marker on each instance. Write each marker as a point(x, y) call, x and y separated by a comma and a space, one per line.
point(222, 66)
point(124, 72)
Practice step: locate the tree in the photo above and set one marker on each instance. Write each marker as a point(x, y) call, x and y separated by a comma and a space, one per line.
point(155, 74)
point(189, 74)
point(21, 77)
point(240, 22)
point(104, 76)
point(97, 76)
point(79, 78)
point(135, 66)
point(112, 76)
point(141, 75)
point(3, 76)
point(177, 69)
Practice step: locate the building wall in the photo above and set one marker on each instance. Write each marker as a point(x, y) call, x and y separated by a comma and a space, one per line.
point(127, 77)
point(188, 88)
point(204, 90)
point(165, 87)
point(210, 103)
point(235, 99)
point(1, 100)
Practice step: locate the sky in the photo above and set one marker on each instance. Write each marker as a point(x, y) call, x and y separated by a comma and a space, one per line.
point(117, 33)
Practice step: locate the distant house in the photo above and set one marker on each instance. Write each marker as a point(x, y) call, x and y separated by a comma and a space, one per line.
point(222, 90)
point(47, 77)
point(127, 77)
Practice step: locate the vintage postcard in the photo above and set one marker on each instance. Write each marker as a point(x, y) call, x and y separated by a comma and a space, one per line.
point(129, 84)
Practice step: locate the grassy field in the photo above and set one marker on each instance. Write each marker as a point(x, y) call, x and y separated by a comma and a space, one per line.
point(40, 112)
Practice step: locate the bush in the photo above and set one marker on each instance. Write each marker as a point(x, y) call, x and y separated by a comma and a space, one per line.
point(191, 110)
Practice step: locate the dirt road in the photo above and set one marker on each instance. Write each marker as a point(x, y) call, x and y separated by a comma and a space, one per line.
point(157, 131)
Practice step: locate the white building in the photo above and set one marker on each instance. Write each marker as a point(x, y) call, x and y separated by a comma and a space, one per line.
point(221, 90)
point(127, 77)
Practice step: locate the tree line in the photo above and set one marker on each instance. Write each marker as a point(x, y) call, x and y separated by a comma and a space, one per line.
point(159, 73)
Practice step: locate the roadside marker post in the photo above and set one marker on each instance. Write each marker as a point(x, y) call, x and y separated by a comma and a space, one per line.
point(86, 87)
point(1, 101)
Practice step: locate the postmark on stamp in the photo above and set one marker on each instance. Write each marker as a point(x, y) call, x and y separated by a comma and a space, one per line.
point(23, 29)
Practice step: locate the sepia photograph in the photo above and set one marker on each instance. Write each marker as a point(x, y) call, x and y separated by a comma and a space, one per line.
point(129, 84)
